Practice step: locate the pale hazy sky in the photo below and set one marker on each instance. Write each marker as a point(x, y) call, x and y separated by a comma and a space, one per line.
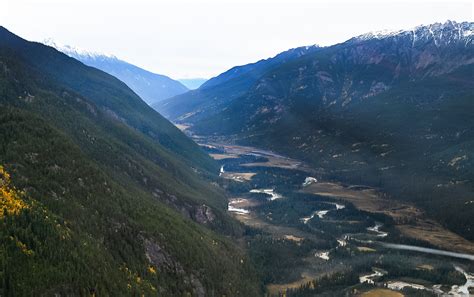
point(184, 38)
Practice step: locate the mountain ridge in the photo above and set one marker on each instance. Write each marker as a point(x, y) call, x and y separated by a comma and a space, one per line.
point(150, 86)
point(111, 191)
point(346, 109)
point(241, 78)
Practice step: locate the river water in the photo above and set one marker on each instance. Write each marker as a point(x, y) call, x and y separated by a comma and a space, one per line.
point(461, 290)
point(427, 250)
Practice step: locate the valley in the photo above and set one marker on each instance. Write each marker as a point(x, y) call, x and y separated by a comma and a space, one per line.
point(343, 238)
point(411, 221)
point(345, 169)
point(100, 195)
point(346, 109)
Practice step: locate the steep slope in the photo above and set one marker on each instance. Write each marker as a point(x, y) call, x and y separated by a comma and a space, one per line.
point(360, 68)
point(150, 86)
point(112, 96)
point(217, 92)
point(389, 110)
point(100, 193)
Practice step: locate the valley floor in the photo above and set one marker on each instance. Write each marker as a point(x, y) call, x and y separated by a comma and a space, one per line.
point(410, 220)
point(310, 235)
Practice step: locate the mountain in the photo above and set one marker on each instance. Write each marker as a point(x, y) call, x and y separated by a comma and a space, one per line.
point(386, 109)
point(100, 195)
point(150, 86)
point(192, 83)
point(217, 92)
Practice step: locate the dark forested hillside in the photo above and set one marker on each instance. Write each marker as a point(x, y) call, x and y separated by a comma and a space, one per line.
point(388, 110)
point(100, 194)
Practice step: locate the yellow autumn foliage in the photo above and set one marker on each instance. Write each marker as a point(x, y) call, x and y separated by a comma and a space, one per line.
point(151, 269)
point(11, 202)
point(136, 282)
point(23, 248)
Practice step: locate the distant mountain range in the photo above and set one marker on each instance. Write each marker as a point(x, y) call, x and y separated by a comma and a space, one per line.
point(151, 87)
point(389, 109)
point(192, 83)
point(99, 194)
point(215, 93)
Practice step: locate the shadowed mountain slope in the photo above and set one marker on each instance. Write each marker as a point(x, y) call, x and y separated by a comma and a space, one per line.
point(100, 194)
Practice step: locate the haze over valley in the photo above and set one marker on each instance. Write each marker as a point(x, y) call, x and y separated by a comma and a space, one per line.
point(339, 169)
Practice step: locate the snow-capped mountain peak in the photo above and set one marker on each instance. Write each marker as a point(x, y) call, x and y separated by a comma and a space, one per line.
point(76, 52)
point(438, 33)
point(151, 87)
point(380, 34)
